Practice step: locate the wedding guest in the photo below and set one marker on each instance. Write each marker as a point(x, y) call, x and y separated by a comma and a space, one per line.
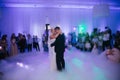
point(36, 41)
point(29, 43)
point(106, 40)
point(100, 42)
point(95, 49)
point(45, 44)
point(79, 44)
point(13, 45)
point(95, 39)
point(88, 45)
point(73, 39)
point(117, 40)
point(69, 39)
point(4, 46)
point(2, 56)
point(22, 43)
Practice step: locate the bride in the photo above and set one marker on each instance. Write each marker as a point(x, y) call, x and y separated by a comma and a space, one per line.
point(52, 54)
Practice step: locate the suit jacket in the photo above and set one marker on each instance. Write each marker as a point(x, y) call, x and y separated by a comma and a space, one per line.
point(59, 44)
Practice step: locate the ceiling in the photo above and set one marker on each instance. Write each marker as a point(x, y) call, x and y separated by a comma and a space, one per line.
point(113, 3)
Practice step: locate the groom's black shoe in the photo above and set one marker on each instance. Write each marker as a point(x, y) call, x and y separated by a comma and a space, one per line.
point(63, 68)
point(59, 70)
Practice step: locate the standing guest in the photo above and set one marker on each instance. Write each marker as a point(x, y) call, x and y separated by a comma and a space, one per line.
point(117, 40)
point(45, 42)
point(95, 39)
point(2, 55)
point(87, 37)
point(79, 44)
point(108, 30)
point(22, 43)
point(88, 45)
point(73, 39)
point(95, 49)
point(4, 46)
point(106, 40)
point(69, 39)
point(36, 42)
point(33, 41)
point(83, 41)
point(100, 42)
point(18, 38)
point(111, 37)
point(13, 45)
point(29, 43)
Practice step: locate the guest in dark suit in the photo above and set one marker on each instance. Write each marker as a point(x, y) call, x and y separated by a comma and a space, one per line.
point(59, 49)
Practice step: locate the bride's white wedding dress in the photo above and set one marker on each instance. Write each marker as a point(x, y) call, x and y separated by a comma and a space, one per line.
point(52, 55)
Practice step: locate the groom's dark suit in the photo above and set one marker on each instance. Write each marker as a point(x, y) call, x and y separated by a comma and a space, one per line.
point(60, 49)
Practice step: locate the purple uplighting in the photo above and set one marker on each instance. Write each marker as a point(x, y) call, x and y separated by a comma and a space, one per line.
point(59, 39)
point(73, 14)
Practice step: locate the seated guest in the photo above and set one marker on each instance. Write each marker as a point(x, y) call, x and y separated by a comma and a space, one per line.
point(13, 45)
point(113, 54)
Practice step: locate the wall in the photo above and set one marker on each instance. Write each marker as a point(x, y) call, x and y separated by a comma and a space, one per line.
point(33, 20)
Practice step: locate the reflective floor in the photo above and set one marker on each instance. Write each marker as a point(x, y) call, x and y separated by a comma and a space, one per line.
point(79, 66)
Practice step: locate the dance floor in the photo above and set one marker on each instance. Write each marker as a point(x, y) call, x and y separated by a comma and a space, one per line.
point(79, 66)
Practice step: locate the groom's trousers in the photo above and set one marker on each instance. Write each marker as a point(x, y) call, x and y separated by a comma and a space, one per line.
point(60, 60)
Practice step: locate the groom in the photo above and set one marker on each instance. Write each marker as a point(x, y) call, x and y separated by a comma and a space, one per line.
point(59, 49)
